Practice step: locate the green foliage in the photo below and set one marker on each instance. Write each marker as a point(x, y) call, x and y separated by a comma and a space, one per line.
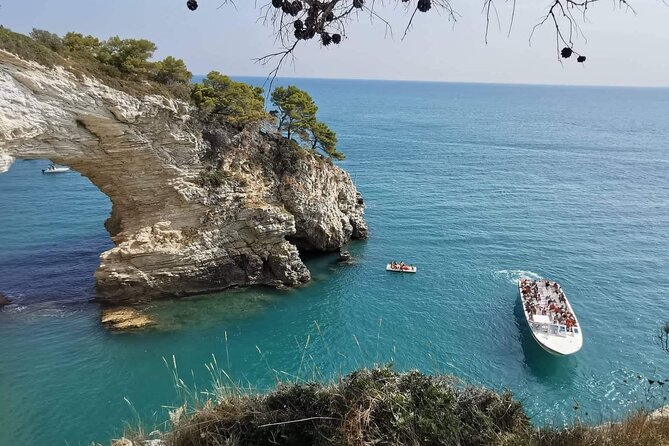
point(235, 102)
point(129, 56)
point(49, 40)
point(120, 63)
point(296, 115)
point(171, 71)
point(27, 48)
point(297, 111)
point(211, 179)
point(81, 46)
point(324, 138)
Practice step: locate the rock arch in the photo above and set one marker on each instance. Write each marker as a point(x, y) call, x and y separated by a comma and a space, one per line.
point(173, 235)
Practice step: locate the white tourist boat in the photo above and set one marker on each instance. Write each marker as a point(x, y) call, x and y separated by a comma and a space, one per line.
point(402, 269)
point(549, 315)
point(53, 168)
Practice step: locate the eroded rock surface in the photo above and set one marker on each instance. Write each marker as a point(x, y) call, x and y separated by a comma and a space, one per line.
point(125, 318)
point(177, 232)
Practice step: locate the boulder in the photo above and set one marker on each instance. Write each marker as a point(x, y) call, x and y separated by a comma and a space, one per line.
point(125, 318)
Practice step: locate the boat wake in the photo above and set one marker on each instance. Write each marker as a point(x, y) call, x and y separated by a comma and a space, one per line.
point(512, 275)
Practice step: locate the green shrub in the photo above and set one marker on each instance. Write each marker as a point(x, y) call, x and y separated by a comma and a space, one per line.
point(50, 40)
point(367, 407)
point(234, 102)
point(27, 48)
point(211, 179)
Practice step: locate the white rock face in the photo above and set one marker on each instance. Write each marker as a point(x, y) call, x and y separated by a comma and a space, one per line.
point(175, 234)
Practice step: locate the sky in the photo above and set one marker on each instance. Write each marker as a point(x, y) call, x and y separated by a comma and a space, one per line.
point(623, 48)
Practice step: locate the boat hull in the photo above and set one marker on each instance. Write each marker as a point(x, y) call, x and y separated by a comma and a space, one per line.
point(545, 347)
point(410, 270)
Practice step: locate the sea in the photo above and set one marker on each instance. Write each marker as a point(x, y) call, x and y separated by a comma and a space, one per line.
point(476, 184)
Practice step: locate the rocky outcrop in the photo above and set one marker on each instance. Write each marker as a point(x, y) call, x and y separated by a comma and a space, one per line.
point(125, 318)
point(3, 300)
point(662, 412)
point(193, 210)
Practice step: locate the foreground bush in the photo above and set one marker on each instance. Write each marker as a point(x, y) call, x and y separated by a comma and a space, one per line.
point(367, 407)
point(385, 407)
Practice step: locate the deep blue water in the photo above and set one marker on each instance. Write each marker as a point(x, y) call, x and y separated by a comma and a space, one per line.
point(476, 184)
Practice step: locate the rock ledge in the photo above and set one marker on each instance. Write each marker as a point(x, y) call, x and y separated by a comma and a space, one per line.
point(125, 318)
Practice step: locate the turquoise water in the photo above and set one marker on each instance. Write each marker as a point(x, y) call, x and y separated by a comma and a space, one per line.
point(476, 184)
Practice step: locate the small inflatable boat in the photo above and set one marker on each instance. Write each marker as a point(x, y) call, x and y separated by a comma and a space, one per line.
point(401, 269)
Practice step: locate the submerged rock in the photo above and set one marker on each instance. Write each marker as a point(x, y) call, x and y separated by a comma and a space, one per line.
point(125, 318)
point(4, 300)
point(194, 210)
point(344, 257)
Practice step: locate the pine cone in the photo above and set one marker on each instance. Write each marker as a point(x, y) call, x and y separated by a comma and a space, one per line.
point(424, 5)
point(296, 7)
point(308, 33)
point(358, 3)
point(277, 3)
point(336, 38)
point(580, 59)
point(325, 38)
point(298, 24)
point(566, 52)
point(191, 4)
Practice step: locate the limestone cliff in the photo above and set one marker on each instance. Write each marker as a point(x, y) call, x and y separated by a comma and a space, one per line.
point(193, 209)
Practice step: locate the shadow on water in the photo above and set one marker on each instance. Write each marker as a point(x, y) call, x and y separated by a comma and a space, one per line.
point(540, 363)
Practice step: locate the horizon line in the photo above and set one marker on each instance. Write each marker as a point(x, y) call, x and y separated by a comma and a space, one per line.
point(527, 84)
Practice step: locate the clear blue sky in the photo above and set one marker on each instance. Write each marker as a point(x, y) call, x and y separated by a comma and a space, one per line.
point(622, 48)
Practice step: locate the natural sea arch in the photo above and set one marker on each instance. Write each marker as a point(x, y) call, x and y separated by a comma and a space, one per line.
point(172, 234)
point(109, 137)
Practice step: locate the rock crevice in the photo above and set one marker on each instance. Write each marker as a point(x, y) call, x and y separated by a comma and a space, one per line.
point(175, 231)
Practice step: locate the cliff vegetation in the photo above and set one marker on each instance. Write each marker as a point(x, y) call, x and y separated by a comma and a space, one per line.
point(126, 64)
point(381, 406)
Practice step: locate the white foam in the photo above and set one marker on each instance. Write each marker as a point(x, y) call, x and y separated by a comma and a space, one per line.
point(512, 275)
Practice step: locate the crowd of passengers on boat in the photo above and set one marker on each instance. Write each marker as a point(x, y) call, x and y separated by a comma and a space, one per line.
point(556, 310)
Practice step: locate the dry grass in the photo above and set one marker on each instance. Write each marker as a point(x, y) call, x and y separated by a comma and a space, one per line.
point(637, 429)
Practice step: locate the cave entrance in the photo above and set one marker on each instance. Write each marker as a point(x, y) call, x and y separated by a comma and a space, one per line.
point(51, 234)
